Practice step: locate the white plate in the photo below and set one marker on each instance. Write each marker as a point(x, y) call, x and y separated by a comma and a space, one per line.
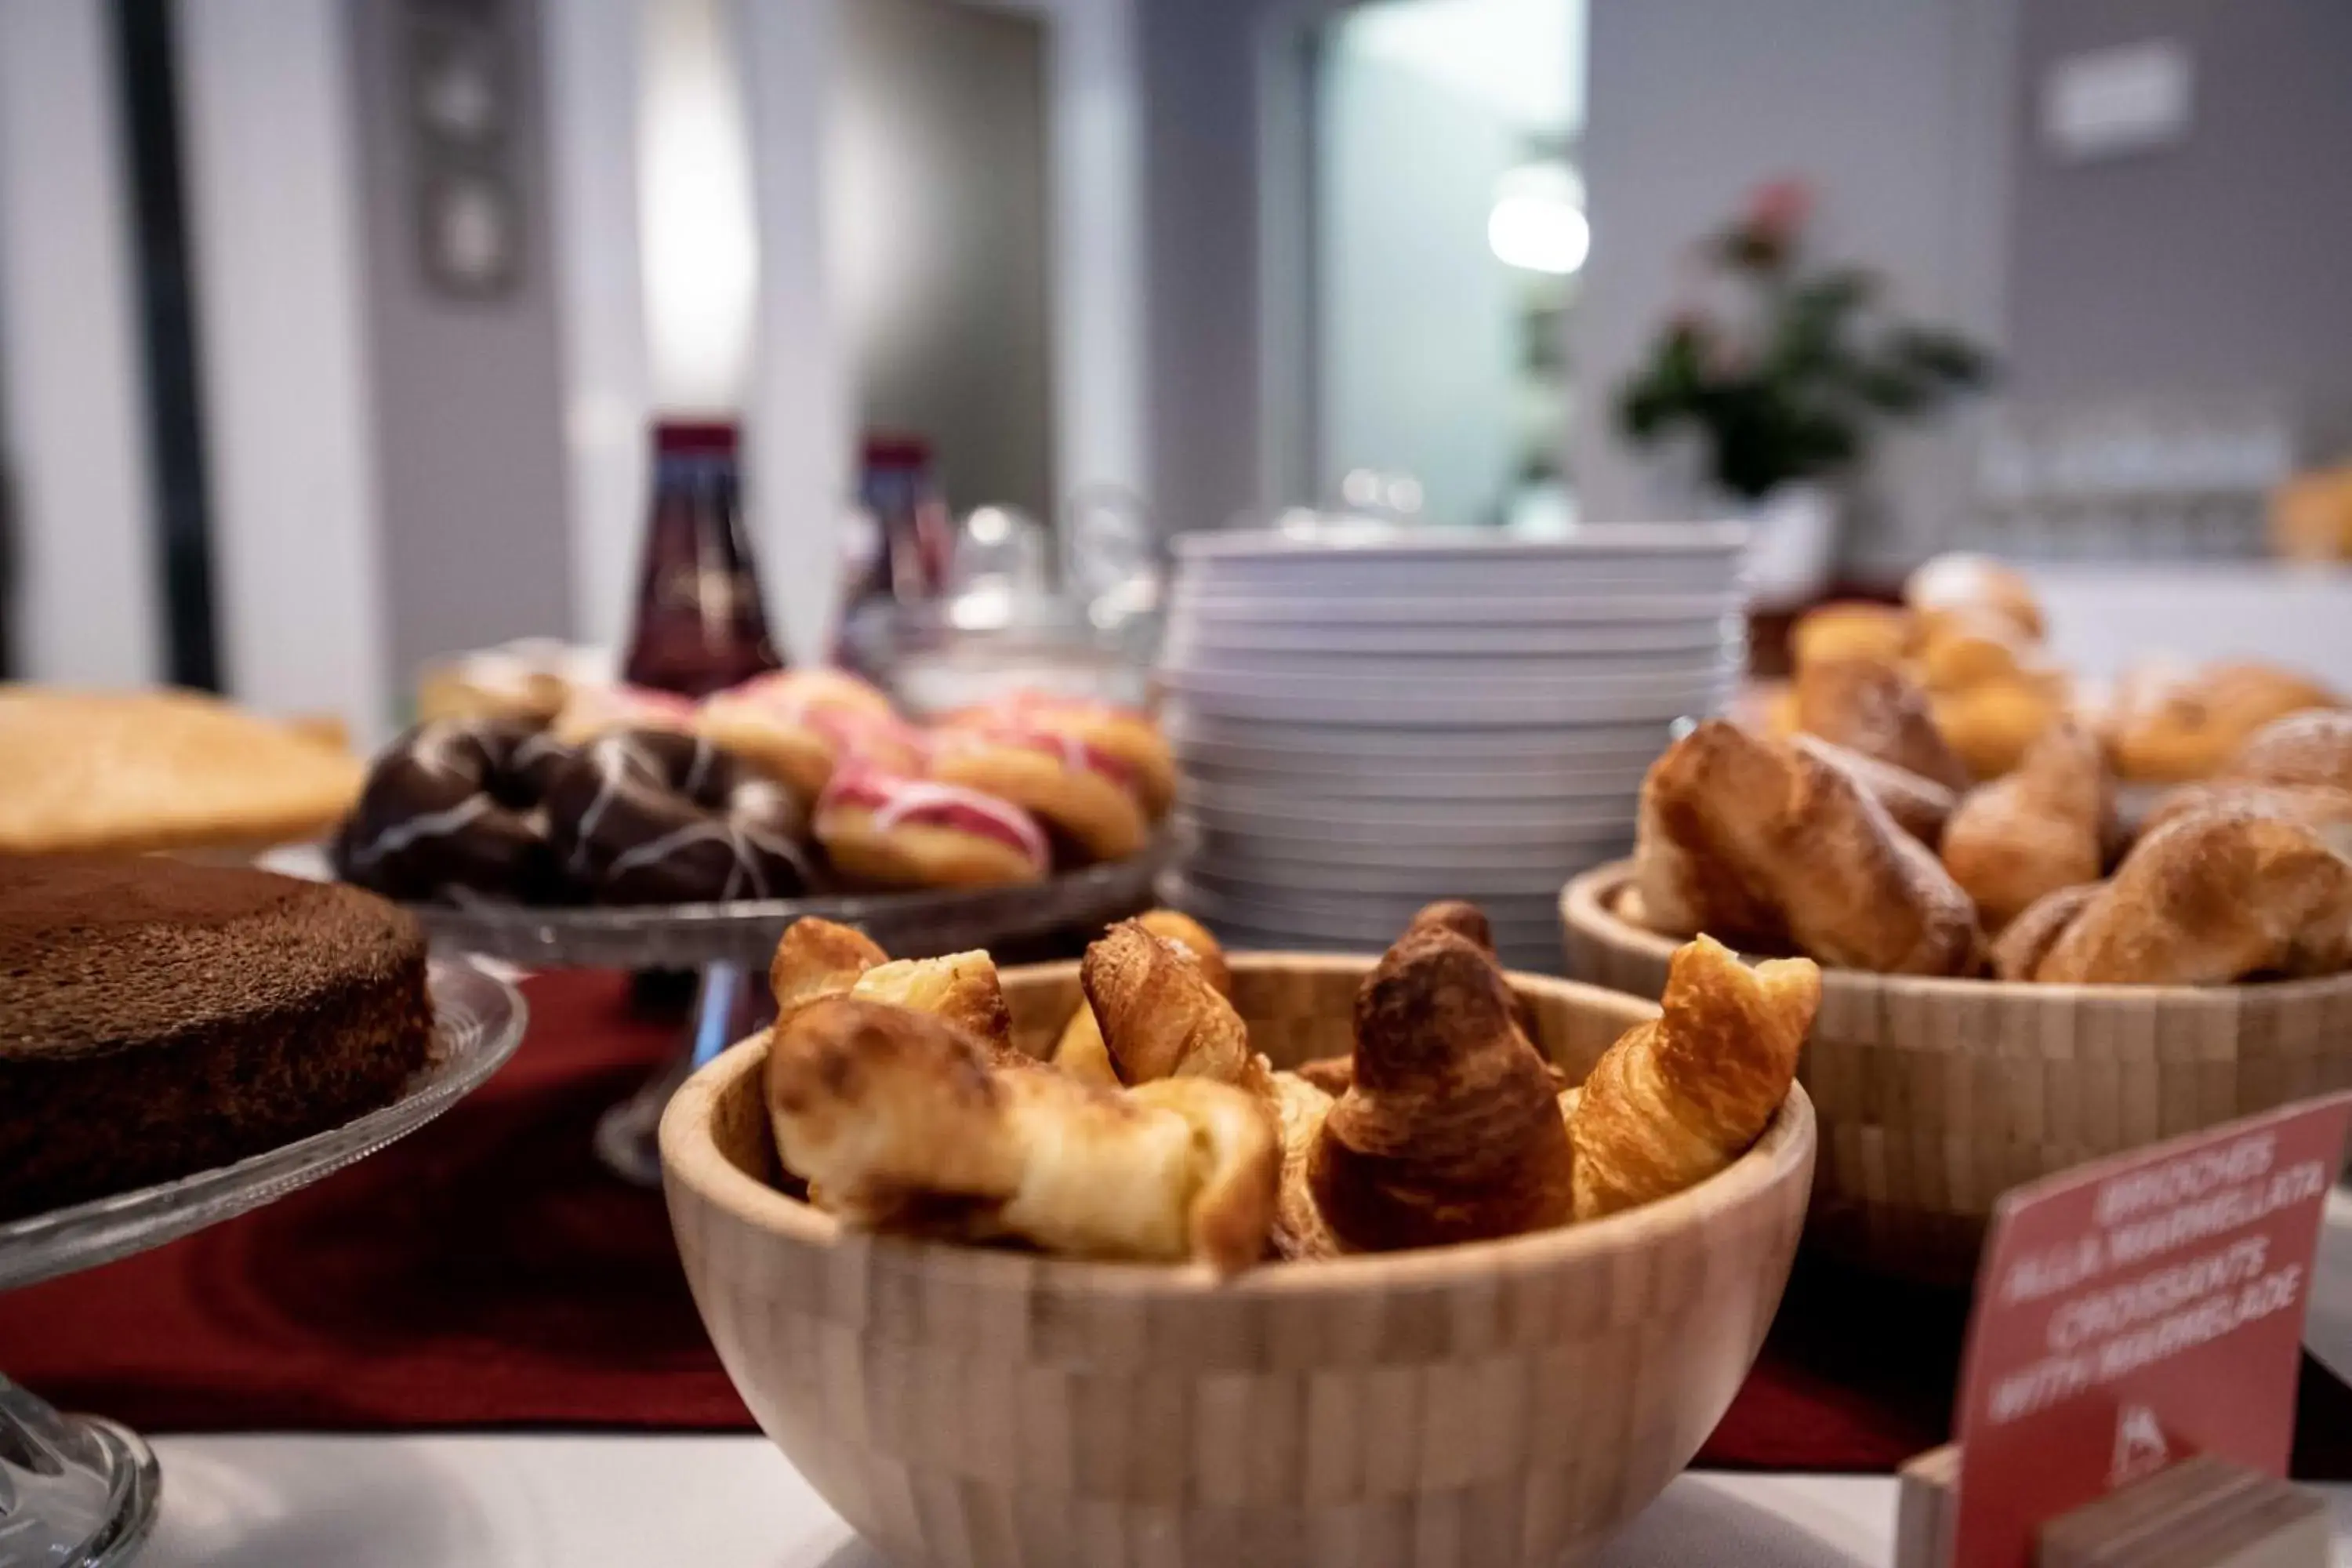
point(1560, 855)
point(1402, 543)
point(1492, 639)
point(1441, 704)
point(1264, 876)
point(1525, 914)
point(1373, 929)
point(1357, 784)
point(1226, 809)
point(1337, 746)
point(1185, 657)
point(1459, 581)
point(1191, 602)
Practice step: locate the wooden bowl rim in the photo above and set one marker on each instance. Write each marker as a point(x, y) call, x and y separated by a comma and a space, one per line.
point(691, 1161)
point(1584, 908)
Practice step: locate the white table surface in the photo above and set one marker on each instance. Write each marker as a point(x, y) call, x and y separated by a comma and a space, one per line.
point(577, 1501)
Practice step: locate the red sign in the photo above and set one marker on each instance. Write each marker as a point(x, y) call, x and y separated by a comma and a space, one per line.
point(2137, 1311)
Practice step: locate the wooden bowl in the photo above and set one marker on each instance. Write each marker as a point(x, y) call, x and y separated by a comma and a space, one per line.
point(1505, 1402)
point(1937, 1096)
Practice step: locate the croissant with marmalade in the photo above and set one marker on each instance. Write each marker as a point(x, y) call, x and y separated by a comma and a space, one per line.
point(1162, 1017)
point(1681, 1097)
point(900, 1118)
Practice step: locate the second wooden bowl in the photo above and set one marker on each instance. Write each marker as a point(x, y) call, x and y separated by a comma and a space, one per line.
point(1937, 1096)
point(1508, 1402)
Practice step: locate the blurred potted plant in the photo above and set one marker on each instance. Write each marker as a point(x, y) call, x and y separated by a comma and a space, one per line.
point(1773, 399)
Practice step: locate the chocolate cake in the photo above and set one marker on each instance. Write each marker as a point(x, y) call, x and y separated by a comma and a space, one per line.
point(159, 1018)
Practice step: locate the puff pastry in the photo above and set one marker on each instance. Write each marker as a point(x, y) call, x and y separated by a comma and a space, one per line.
point(1768, 847)
point(817, 959)
point(1870, 706)
point(2043, 828)
point(1081, 1052)
point(2209, 899)
point(899, 1120)
point(1161, 1014)
point(1451, 1130)
point(1681, 1097)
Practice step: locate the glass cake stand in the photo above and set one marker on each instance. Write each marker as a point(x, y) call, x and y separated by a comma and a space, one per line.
point(78, 1491)
point(729, 946)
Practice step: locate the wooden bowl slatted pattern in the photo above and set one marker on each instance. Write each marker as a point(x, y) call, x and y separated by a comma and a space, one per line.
point(1937, 1096)
point(1513, 1402)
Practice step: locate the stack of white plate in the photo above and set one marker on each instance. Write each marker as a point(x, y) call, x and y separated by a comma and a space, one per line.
point(1367, 722)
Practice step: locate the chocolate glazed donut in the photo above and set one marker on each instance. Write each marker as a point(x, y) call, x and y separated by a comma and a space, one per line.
point(652, 816)
point(452, 808)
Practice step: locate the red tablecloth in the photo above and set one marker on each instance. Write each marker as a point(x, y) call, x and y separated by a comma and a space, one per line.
point(486, 1272)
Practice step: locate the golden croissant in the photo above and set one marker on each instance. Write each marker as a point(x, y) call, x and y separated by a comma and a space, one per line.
point(900, 1118)
point(1681, 1097)
point(1762, 842)
point(2209, 899)
point(817, 959)
point(1160, 1014)
point(1451, 1130)
point(1082, 1052)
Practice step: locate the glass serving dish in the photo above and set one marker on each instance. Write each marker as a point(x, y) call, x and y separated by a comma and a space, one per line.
point(729, 946)
point(78, 1490)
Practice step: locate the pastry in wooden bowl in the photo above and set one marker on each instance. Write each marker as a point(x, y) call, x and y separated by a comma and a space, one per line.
point(2210, 898)
point(2168, 726)
point(1771, 847)
point(938, 1393)
point(1872, 707)
point(1851, 629)
point(1081, 1050)
point(2039, 829)
point(1919, 806)
point(2310, 749)
point(1965, 584)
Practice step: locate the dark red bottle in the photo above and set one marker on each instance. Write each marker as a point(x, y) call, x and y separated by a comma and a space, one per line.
point(702, 624)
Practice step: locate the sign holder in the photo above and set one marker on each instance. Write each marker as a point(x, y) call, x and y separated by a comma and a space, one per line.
point(2203, 1512)
point(2127, 1394)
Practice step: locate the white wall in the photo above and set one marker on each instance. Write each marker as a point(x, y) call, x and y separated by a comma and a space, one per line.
point(1897, 110)
point(273, 185)
point(87, 607)
point(936, 231)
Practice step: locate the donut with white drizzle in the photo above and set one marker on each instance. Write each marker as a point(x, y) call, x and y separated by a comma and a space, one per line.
point(453, 808)
point(1085, 796)
point(653, 817)
point(888, 830)
point(797, 725)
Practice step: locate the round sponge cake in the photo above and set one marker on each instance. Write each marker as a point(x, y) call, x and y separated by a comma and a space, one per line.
point(159, 1018)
